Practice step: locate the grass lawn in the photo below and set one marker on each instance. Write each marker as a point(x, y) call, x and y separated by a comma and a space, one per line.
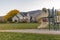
point(27, 36)
point(18, 25)
point(52, 27)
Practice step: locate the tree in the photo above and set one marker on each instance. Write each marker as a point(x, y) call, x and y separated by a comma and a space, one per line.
point(11, 14)
point(58, 13)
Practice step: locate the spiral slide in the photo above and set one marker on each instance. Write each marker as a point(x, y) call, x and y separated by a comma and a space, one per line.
point(43, 24)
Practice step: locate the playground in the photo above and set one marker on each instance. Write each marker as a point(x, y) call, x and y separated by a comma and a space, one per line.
point(51, 17)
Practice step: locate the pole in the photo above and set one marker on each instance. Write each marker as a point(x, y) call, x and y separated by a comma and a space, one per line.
point(49, 18)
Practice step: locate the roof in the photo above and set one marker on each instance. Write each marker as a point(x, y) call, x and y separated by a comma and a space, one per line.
point(31, 13)
point(35, 13)
point(23, 14)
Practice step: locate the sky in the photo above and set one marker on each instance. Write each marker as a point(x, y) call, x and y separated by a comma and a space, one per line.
point(27, 5)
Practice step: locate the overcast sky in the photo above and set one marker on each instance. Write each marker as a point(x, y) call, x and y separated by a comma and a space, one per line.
point(26, 5)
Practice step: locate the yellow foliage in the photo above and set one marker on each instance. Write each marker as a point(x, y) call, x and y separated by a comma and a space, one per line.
point(11, 14)
point(58, 13)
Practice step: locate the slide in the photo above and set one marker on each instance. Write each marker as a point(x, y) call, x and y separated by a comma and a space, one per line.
point(43, 24)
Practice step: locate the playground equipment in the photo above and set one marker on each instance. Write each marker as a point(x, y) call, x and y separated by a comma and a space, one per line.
point(53, 18)
point(43, 24)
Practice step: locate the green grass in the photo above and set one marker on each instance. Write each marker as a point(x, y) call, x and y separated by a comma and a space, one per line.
point(18, 26)
point(51, 26)
point(27, 36)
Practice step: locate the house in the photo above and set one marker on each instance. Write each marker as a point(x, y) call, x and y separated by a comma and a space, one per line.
point(33, 15)
point(17, 18)
point(21, 17)
point(29, 16)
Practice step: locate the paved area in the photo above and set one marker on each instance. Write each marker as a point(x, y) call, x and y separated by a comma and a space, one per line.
point(33, 31)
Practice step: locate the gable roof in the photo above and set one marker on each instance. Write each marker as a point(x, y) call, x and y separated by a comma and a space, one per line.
point(31, 13)
point(23, 14)
point(35, 13)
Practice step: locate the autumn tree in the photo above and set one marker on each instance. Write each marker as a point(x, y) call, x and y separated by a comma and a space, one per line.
point(58, 13)
point(11, 14)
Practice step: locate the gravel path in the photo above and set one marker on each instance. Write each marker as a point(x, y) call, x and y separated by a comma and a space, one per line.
point(33, 31)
